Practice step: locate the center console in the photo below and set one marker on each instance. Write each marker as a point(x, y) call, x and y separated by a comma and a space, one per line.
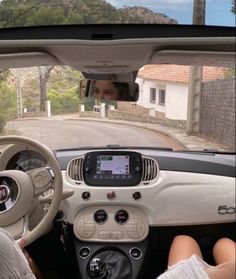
point(110, 239)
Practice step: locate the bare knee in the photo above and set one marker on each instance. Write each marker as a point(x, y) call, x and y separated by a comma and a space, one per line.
point(222, 244)
point(224, 250)
point(182, 248)
point(180, 239)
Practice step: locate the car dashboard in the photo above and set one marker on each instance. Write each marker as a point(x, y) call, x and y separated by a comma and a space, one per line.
point(157, 187)
point(119, 199)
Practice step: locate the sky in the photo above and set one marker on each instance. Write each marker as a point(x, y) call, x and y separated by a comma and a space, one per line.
point(217, 11)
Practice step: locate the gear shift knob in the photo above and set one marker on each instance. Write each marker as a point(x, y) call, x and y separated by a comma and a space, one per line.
point(97, 269)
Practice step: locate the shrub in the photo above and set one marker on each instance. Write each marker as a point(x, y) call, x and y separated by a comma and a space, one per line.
point(61, 103)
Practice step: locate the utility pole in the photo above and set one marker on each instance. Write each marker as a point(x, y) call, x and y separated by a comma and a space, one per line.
point(199, 11)
point(195, 78)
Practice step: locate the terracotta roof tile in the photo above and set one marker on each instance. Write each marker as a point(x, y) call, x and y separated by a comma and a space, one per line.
point(177, 73)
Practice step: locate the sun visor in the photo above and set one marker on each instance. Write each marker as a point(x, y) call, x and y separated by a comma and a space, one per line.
point(26, 59)
point(193, 57)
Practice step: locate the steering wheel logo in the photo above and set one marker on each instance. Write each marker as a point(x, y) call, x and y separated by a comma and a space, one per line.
point(4, 193)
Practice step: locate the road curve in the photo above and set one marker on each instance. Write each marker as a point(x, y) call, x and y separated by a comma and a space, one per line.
point(64, 133)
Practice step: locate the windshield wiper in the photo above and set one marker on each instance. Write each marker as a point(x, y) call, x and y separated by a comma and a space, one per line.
point(115, 146)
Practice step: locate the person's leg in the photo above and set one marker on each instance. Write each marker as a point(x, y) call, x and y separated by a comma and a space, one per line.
point(224, 251)
point(182, 248)
point(224, 255)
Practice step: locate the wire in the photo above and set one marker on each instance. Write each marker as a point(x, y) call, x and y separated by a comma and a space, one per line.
point(21, 14)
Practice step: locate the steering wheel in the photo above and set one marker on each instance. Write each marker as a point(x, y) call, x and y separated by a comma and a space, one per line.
point(19, 191)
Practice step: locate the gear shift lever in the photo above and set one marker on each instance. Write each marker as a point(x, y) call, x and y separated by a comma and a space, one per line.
point(97, 269)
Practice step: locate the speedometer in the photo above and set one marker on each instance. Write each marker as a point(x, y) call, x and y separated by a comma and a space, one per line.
point(26, 160)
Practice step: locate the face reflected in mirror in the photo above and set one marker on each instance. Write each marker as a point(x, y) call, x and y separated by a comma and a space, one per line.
point(109, 90)
point(106, 90)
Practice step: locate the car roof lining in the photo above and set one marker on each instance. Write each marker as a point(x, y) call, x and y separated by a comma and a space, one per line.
point(122, 56)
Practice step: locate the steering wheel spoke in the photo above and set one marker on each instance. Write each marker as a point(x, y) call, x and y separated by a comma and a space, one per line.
point(19, 229)
point(42, 179)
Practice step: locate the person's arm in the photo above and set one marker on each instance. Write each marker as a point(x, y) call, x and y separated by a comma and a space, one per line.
point(32, 264)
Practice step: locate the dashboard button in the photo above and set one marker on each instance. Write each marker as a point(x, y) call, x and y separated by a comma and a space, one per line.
point(134, 220)
point(121, 216)
point(84, 252)
point(88, 220)
point(86, 196)
point(90, 228)
point(135, 253)
point(133, 234)
point(137, 195)
point(118, 235)
point(102, 235)
point(131, 228)
point(111, 195)
point(80, 227)
point(100, 216)
point(141, 228)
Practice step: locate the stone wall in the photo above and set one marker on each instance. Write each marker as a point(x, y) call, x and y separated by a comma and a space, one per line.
point(92, 114)
point(122, 115)
point(35, 114)
point(218, 111)
point(132, 108)
point(134, 112)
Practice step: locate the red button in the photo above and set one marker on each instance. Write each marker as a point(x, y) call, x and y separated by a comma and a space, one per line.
point(111, 195)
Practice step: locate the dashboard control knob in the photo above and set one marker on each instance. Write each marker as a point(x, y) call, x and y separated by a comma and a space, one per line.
point(97, 269)
point(100, 216)
point(86, 195)
point(121, 216)
point(137, 195)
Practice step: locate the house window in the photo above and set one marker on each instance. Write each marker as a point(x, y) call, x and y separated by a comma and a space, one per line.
point(162, 97)
point(153, 95)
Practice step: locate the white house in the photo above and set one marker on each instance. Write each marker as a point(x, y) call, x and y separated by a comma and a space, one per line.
point(165, 88)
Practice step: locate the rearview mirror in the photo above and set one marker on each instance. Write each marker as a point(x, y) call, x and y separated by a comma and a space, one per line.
point(109, 90)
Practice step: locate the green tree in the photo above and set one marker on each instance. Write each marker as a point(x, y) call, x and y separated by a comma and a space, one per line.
point(64, 103)
point(7, 103)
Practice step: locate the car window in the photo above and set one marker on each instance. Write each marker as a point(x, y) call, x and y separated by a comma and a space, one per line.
point(53, 12)
point(179, 106)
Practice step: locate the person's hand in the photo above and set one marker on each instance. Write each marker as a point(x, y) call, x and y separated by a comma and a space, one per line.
point(32, 264)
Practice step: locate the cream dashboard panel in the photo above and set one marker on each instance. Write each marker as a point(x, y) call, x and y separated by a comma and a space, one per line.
point(175, 198)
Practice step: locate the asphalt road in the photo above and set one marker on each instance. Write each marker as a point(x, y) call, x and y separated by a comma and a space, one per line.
point(76, 133)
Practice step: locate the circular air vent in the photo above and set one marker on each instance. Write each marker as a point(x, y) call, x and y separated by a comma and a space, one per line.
point(75, 169)
point(150, 169)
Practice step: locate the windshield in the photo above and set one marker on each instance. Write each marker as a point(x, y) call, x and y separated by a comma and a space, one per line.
point(179, 106)
point(15, 13)
point(43, 103)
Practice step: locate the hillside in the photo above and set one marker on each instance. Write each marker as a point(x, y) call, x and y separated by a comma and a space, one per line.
point(29, 12)
point(148, 16)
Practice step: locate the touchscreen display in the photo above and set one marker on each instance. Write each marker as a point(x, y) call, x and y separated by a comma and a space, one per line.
point(113, 165)
point(112, 168)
